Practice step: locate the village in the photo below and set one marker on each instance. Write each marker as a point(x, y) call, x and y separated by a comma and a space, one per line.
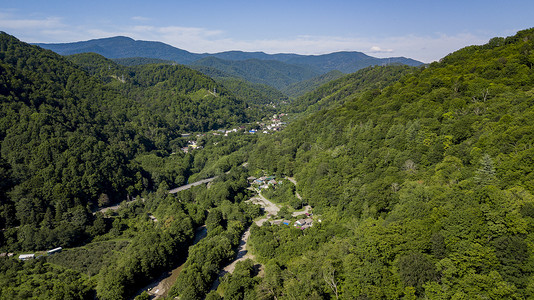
point(274, 124)
point(265, 182)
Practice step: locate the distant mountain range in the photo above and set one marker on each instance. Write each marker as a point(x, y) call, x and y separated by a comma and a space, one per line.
point(276, 70)
point(125, 47)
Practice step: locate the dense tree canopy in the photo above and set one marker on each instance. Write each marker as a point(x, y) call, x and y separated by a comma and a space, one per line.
point(430, 177)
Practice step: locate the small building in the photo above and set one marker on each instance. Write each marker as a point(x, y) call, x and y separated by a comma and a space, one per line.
point(251, 179)
point(304, 223)
point(54, 251)
point(277, 222)
point(286, 222)
point(300, 222)
point(26, 256)
point(272, 182)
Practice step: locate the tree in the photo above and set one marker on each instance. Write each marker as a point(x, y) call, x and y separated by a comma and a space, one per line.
point(416, 269)
point(485, 174)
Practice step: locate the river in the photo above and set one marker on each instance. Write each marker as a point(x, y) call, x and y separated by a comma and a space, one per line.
point(161, 286)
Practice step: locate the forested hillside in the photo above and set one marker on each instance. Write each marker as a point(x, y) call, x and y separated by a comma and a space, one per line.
point(363, 83)
point(77, 138)
point(300, 88)
point(69, 140)
point(251, 93)
point(274, 73)
point(424, 187)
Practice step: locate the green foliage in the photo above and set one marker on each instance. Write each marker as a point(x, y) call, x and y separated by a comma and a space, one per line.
point(300, 88)
point(283, 192)
point(366, 82)
point(135, 61)
point(420, 179)
point(429, 176)
point(37, 279)
point(74, 138)
point(91, 258)
point(273, 73)
point(240, 284)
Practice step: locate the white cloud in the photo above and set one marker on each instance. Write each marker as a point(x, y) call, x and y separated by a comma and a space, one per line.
point(27, 24)
point(376, 49)
point(140, 19)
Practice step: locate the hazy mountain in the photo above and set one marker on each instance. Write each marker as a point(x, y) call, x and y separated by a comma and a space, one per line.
point(124, 47)
point(270, 72)
point(347, 62)
point(136, 61)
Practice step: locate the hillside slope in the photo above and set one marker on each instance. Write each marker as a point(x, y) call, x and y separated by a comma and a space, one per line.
point(369, 80)
point(425, 187)
point(274, 73)
point(300, 88)
point(69, 136)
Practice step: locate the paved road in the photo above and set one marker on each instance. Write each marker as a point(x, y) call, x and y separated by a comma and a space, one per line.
point(188, 186)
point(173, 191)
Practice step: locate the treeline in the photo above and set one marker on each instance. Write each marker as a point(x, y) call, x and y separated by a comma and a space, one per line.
point(429, 178)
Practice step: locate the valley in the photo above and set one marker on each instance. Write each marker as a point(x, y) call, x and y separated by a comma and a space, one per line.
point(390, 182)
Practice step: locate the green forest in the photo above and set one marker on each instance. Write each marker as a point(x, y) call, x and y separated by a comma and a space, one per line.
point(419, 180)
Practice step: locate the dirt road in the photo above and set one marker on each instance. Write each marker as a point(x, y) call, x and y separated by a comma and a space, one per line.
point(270, 208)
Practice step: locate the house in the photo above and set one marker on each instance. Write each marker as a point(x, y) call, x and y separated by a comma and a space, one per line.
point(272, 182)
point(26, 256)
point(251, 179)
point(277, 222)
point(300, 222)
point(303, 223)
point(54, 251)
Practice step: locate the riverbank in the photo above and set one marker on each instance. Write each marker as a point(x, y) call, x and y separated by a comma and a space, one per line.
point(161, 286)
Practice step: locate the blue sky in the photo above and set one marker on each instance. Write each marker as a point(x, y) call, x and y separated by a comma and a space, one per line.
point(423, 30)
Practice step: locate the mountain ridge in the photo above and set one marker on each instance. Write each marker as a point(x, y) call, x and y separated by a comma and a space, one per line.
point(125, 47)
